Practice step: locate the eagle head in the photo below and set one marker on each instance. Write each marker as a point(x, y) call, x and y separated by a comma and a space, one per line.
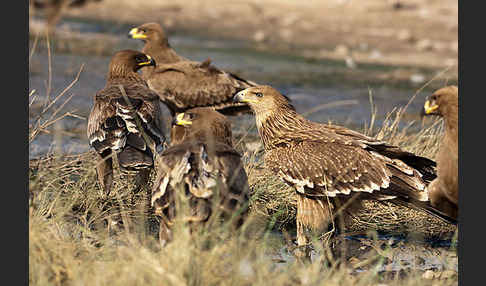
point(201, 123)
point(148, 32)
point(442, 102)
point(263, 100)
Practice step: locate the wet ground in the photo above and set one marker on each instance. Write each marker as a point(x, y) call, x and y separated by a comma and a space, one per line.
point(324, 90)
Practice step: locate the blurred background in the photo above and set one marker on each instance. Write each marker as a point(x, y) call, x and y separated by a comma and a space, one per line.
point(338, 60)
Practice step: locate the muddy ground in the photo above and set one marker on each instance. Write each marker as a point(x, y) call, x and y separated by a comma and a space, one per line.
point(391, 32)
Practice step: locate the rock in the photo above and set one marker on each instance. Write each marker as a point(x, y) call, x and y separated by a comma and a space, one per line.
point(417, 78)
point(405, 35)
point(350, 63)
point(286, 34)
point(429, 274)
point(341, 50)
point(446, 274)
point(424, 45)
point(375, 54)
point(363, 46)
point(259, 36)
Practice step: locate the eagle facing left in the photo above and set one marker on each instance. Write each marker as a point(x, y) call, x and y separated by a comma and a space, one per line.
point(329, 164)
point(130, 127)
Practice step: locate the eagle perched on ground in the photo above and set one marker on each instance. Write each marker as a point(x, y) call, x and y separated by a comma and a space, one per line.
point(131, 127)
point(444, 190)
point(201, 165)
point(183, 84)
point(331, 162)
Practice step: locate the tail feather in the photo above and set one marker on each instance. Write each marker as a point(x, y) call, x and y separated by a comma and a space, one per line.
point(426, 207)
point(131, 159)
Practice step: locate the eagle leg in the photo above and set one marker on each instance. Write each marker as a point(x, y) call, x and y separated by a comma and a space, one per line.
point(104, 170)
point(165, 234)
point(141, 179)
point(303, 250)
point(441, 201)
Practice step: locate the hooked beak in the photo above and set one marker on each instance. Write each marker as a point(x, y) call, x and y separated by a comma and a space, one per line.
point(241, 97)
point(178, 120)
point(135, 33)
point(150, 62)
point(428, 108)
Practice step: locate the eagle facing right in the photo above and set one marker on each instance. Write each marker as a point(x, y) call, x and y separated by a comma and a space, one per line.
point(184, 84)
point(117, 127)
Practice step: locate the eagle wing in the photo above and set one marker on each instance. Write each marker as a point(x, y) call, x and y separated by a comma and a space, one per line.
point(332, 167)
point(201, 172)
point(112, 122)
point(189, 84)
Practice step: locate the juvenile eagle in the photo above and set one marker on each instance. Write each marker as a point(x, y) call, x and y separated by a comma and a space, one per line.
point(201, 165)
point(183, 84)
point(444, 190)
point(330, 162)
point(113, 124)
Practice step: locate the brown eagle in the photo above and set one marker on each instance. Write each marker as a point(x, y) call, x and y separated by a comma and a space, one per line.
point(444, 190)
point(202, 166)
point(131, 127)
point(183, 84)
point(328, 163)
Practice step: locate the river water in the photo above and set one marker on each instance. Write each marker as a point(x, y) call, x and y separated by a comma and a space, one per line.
point(312, 85)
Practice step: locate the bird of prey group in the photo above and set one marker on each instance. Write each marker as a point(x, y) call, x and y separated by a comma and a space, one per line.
point(195, 161)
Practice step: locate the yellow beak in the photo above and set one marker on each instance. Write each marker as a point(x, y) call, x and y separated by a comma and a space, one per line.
point(135, 33)
point(428, 108)
point(180, 121)
point(149, 62)
point(240, 97)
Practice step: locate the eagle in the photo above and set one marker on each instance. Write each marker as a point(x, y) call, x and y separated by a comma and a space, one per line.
point(130, 127)
point(329, 165)
point(202, 166)
point(444, 190)
point(183, 84)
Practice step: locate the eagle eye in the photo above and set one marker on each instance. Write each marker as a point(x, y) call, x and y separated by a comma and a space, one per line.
point(140, 58)
point(259, 94)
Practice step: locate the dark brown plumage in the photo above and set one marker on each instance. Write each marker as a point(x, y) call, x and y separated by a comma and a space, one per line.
point(444, 190)
point(183, 84)
point(330, 162)
point(203, 166)
point(112, 123)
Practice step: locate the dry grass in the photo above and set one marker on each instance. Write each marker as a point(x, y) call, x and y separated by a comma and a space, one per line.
point(77, 237)
point(70, 242)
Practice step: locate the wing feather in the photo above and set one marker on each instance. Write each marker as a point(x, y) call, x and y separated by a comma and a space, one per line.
point(187, 84)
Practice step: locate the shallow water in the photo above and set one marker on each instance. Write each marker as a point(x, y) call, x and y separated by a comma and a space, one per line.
point(400, 253)
point(310, 84)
